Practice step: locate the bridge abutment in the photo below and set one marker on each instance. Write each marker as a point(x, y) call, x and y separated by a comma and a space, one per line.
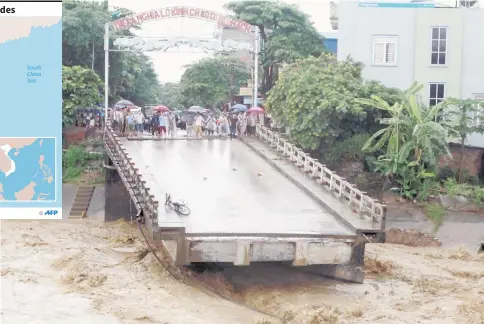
point(118, 204)
point(353, 271)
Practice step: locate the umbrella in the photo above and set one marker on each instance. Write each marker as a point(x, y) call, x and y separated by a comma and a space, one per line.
point(161, 108)
point(196, 109)
point(239, 108)
point(256, 110)
point(123, 104)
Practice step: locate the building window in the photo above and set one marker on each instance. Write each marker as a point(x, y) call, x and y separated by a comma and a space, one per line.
point(385, 50)
point(437, 93)
point(439, 46)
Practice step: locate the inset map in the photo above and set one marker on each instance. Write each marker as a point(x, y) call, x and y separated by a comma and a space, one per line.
point(27, 169)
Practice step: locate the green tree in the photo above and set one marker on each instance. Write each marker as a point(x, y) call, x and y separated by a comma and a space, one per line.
point(463, 115)
point(170, 95)
point(315, 99)
point(412, 139)
point(212, 81)
point(80, 88)
point(286, 34)
point(131, 75)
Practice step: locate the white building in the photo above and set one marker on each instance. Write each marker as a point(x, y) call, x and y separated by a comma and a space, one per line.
point(399, 43)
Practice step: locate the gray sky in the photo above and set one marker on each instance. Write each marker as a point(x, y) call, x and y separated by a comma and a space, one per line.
point(169, 65)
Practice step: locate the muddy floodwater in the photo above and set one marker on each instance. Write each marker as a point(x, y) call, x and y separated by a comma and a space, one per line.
point(86, 272)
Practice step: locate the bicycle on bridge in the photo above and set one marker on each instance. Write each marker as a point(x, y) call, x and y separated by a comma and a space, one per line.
point(179, 207)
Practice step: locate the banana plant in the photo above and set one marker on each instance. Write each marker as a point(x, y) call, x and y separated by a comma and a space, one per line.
point(413, 138)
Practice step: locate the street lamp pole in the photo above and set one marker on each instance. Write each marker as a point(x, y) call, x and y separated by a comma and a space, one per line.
point(232, 85)
point(106, 74)
point(256, 67)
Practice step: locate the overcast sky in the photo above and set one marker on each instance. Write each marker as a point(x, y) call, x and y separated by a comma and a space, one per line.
point(169, 66)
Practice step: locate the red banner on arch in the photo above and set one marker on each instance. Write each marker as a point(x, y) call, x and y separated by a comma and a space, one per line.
point(174, 12)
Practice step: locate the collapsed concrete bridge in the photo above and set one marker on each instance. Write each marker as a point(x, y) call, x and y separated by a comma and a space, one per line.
point(252, 200)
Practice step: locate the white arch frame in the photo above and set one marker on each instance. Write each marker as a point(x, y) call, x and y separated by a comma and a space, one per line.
point(137, 19)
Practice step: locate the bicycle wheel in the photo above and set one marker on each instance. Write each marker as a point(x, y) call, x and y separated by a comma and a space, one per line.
point(182, 209)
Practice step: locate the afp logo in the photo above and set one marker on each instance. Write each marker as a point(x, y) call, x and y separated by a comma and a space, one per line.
point(52, 212)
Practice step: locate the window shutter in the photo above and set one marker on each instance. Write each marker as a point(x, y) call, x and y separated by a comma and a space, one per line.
point(390, 52)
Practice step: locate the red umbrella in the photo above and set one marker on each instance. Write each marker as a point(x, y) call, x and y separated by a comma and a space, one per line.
point(257, 110)
point(161, 108)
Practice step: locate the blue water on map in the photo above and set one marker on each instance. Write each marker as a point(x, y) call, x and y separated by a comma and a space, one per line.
point(29, 169)
point(32, 107)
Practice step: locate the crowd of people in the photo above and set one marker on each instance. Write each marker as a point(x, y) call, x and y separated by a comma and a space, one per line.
point(198, 125)
point(127, 122)
point(225, 125)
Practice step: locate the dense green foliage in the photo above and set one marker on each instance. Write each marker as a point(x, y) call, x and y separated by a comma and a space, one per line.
point(286, 34)
point(463, 116)
point(349, 149)
point(170, 95)
point(131, 75)
point(315, 99)
point(212, 81)
point(76, 161)
point(472, 192)
point(80, 88)
point(412, 140)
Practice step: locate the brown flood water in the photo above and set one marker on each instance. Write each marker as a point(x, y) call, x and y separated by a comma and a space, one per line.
point(87, 272)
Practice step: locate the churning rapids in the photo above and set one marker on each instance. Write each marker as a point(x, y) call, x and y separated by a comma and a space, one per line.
point(88, 272)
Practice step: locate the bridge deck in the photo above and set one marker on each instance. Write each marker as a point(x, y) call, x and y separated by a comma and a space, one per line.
point(228, 188)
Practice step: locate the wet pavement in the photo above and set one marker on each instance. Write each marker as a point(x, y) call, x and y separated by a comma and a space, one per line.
point(320, 193)
point(228, 188)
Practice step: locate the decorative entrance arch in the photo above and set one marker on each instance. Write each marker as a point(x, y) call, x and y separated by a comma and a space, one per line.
point(177, 12)
point(156, 44)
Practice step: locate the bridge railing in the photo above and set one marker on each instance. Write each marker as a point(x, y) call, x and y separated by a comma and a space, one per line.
point(368, 208)
point(131, 177)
